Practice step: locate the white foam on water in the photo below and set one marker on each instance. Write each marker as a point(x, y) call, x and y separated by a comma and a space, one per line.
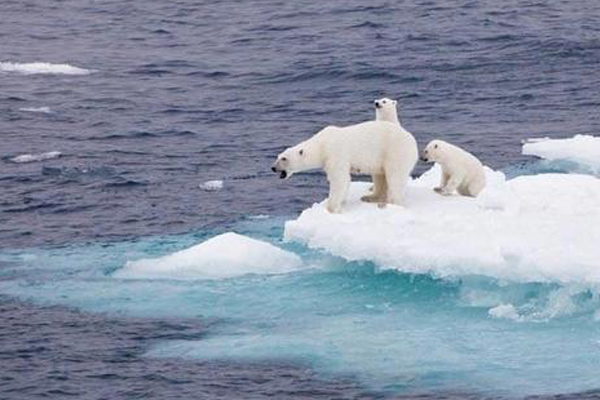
point(507, 311)
point(580, 149)
point(224, 256)
point(540, 228)
point(43, 68)
point(27, 158)
point(212, 186)
point(45, 110)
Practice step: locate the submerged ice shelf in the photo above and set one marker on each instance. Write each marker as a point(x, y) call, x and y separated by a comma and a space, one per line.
point(539, 228)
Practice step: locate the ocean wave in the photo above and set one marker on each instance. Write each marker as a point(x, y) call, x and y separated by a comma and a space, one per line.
point(43, 68)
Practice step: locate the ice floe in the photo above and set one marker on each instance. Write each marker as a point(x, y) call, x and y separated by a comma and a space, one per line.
point(27, 158)
point(583, 150)
point(44, 110)
point(528, 229)
point(42, 68)
point(212, 186)
point(222, 256)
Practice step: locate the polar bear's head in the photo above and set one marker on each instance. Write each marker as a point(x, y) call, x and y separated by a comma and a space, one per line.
point(434, 151)
point(302, 157)
point(385, 110)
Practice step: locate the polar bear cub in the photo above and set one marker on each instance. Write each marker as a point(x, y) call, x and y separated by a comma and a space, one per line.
point(461, 170)
point(375, 147)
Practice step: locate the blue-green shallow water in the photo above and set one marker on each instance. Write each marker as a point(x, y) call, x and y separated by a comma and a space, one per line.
point(184, 92)
point(392, 332)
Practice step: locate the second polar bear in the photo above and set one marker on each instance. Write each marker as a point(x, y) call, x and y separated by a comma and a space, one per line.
point(461, 170)
point(385, 110)
point(375, 147)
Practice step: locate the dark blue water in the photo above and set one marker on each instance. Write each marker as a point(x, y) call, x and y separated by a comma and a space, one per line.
point(183, 92)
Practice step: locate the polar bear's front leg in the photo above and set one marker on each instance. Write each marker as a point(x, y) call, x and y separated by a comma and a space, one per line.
point(443, 183)
point(379, 190)
point(339, 182)
point(453, 184)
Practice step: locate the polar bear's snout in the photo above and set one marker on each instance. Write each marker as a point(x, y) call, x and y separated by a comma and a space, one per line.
point(377, 104)
point(279, 169)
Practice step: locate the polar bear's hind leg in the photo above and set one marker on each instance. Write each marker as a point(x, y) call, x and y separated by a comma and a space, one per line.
point(379, 190)
point(473, 188)
point(396, 180)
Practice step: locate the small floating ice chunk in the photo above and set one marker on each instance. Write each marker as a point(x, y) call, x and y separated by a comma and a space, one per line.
point(212, 186)
point(537, 228)
point(43, 68)
point(580, 149)
point(27, 158)
point(45, 110)
point(224, 256)
point(259, 216)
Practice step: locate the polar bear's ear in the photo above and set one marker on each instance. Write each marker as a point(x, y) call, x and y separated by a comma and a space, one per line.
point(394, 102)
point(301, 152)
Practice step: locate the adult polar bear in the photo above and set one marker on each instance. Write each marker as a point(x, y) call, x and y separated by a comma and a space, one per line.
point(385, 110)
point(377, 148)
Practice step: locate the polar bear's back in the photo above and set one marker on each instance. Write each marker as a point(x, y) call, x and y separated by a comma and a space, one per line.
point(464, 156)
point(368, 144)
point(370, 134)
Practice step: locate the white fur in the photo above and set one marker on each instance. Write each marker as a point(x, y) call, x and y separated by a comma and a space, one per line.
point(386, 110)
point(378, 148)
point(461, 170)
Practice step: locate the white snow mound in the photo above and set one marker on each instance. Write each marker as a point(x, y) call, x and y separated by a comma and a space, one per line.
point(580, 149)
point(222, 256)
point(528, 229)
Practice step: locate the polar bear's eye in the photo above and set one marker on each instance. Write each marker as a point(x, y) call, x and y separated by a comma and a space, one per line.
point(435, 146)
point(301, 152)
point(283, 159)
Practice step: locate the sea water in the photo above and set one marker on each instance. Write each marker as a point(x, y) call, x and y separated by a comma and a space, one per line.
point(135, 135)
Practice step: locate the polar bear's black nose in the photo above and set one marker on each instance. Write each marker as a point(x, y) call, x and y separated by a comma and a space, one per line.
point(273, 169)
point(377, 105)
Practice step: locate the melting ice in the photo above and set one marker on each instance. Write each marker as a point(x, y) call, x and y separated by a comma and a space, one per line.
point(496, 295)
point(583, 150)
point(539, 228)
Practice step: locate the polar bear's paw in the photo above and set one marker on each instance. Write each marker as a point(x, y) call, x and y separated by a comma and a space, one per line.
point(371, 198)
point(333, 209)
